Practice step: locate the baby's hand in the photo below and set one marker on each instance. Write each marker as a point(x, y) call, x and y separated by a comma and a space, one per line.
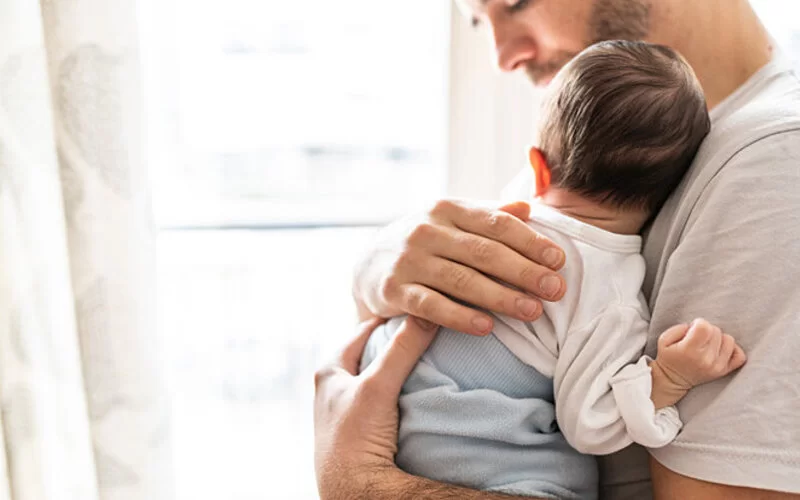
point(691, 355)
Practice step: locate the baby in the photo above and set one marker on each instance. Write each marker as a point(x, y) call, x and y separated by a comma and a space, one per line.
point(518, 410)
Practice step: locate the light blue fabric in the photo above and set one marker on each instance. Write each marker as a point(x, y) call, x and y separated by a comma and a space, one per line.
point(473, 414)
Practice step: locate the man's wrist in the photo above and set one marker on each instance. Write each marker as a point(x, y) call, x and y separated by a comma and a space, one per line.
point(665, 391)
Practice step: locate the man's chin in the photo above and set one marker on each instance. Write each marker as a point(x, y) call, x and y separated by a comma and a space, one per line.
point(542, 81)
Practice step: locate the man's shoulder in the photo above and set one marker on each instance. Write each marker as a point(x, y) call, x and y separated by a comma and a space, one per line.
point(750, 150)
point(765, 116)
point(758, 144)
point(762, 132)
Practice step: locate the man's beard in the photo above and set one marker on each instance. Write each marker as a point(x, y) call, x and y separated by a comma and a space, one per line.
point(620, 20)
point(540, 72)
point(610, 20)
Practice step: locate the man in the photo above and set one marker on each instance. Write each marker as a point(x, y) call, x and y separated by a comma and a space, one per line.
point(724, 247)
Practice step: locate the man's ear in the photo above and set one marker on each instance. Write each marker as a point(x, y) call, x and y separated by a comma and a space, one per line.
point(541, 171)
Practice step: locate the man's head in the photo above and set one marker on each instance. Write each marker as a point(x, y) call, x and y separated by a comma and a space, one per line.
point(621, 124)
point(541, 36)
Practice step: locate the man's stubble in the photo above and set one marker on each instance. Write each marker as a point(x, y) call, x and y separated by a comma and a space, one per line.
point(609, 20)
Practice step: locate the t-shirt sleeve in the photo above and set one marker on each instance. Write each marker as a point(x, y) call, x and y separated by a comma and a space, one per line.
point(738, 265)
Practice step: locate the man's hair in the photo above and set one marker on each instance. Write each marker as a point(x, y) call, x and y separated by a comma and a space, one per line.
point(623, 123)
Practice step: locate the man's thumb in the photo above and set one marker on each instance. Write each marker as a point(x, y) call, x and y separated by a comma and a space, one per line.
point(393, 366)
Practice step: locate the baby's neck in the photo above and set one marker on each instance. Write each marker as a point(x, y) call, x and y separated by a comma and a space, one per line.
point(593, 213)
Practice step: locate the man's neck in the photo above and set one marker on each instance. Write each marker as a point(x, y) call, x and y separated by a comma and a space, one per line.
point(723, 40)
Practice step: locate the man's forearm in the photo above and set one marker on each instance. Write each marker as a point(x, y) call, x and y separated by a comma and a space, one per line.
point(393, 484)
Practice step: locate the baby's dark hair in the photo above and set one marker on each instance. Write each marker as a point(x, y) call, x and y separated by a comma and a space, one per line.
point(623, 124)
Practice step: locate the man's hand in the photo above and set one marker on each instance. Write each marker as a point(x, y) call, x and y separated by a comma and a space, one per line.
point(356, 415)
point(691, 355)
point(456, 250)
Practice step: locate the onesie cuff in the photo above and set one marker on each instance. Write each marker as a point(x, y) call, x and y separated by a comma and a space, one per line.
point(647, 426)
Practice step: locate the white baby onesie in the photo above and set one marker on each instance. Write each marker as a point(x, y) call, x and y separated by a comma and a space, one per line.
point(591, 341)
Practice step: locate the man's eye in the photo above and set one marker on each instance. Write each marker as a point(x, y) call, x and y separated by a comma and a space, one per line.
point(518, 5)
point(513, 7)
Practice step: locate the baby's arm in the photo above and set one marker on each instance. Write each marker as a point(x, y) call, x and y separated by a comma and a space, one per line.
point(691, 355)
point(608, 395)
point(590, 358)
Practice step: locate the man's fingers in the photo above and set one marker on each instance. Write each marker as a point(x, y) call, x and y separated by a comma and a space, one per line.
point(498, 260)
point(503, 228)
point(431, 305)
point(672, 336)
point(476, 289)
point(519, 209)
point(463, 254)
point(392, 367)
point(350, 357)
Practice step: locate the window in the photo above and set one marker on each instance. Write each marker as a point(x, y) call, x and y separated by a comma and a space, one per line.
point(282, 133)
point(782, 19)
point(298, 113)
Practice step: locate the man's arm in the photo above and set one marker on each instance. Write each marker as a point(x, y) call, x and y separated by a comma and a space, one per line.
point(355, 423)
point(417, 264)
point(392, 483)
point(668, 485)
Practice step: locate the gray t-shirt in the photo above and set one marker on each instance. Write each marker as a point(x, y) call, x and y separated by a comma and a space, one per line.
point(726, 247)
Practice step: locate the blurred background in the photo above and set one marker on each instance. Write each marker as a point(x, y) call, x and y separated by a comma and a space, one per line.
point(280, 140)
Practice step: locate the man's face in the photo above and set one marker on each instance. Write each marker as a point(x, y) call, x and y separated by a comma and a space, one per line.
point(541, 36)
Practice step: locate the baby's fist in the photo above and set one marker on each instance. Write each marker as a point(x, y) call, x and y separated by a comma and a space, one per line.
point(691, 355)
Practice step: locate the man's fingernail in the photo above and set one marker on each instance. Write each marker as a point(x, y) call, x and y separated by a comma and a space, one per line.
point(481, 324)
point(527, 307)
point(425, 324)
point(550, 285)
point(552, 257)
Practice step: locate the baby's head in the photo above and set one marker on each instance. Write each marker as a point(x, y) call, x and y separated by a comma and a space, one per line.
point(620, 126)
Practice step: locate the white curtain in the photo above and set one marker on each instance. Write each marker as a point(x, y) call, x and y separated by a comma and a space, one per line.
point(84, 413)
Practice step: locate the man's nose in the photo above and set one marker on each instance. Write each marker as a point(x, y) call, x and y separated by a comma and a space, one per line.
point(513, 44)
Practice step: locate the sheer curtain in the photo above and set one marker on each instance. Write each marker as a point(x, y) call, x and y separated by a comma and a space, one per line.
point(84, 414)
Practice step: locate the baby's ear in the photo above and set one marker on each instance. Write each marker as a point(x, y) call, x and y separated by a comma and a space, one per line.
point(540, 170)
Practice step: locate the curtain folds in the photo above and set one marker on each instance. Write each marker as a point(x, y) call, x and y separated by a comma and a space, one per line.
point(83, 407)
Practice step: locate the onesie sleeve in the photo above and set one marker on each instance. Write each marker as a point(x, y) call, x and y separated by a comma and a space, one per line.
point(602, 386)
